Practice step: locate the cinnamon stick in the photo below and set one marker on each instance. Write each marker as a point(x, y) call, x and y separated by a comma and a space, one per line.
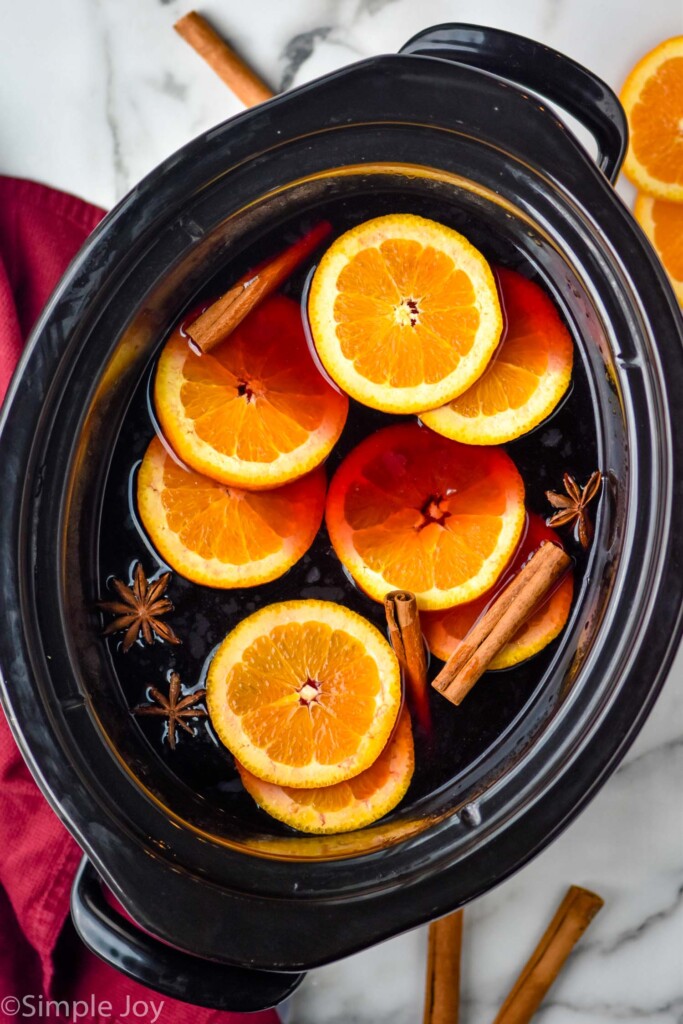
point(238, 76)
point(221, 318)
point(575, 913)
point(500, 622)
point(442, 984)
point(405, 634)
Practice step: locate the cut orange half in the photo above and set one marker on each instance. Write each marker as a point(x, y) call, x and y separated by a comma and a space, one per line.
point(304, 693)
point(524, 381)
point(346, 805)
point(255, 412)
point(444, 630)
point(222, 536)
point(662, 222)
point(652, 97)
point(404, 313)
point(411, 510)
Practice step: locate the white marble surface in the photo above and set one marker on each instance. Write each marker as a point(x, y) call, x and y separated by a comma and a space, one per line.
point(93, 94)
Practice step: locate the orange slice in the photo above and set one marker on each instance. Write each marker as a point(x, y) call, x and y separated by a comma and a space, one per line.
point(444, 630)
point(404, 313)
point(304, 693)
point(524, 381)
point(411, 510)
point(663, 224)
point(652, 97)
point(346, 805)
point(255, 412)
point(222, 536)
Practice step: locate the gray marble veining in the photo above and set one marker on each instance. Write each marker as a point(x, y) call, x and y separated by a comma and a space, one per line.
point(297, 51)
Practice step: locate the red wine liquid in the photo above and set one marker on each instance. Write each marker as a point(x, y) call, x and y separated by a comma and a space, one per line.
point(566, 442)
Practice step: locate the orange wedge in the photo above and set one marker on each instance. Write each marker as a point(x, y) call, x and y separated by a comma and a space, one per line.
point(222, 536)
point(255, 412)
point(404, 313)
point(346, 805)
point(444, 630)
point(652, 97)
point(304, 693)
point(662, 222)
point(411, 510)
point(524, 381)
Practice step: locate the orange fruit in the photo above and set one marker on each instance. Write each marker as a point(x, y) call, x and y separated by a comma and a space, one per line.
point(404, 313)
point(444, 630)
point(222, 536)
point(347, 805)
point(524, 381)
point(304, 693)
point(255, 412)
point(662, 222)
point(411, 510)
point(652, 97)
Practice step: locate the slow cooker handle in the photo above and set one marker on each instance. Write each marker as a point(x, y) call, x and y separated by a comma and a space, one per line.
point(163, 968)
point(543, 70)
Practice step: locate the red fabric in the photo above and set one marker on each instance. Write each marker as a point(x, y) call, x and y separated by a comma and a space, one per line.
point(40, 230)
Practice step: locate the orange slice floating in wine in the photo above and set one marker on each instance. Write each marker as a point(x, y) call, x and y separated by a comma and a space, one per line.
point(444, 630)
point(411, 510)
point(304, 693)
point(223, 536)
point(404, 313)
point(524, 381)
point(346, 805)
point(255, 412)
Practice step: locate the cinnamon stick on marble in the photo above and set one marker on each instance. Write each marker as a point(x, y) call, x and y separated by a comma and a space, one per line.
point(442, 983)
point(405, 634)
point(575, 913)
point(237, 75)
point(496, 627)
point(221, 318)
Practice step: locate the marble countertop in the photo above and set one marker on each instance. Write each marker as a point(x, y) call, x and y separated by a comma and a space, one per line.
point(111, 92)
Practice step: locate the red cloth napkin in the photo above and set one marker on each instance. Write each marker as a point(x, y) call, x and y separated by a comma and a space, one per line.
point(40, 230)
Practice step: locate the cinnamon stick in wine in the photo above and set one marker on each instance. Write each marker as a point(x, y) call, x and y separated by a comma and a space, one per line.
point(221, 318)
point(405, 634)
point(442, 983)
point(237, 75)
point(575, 913)
point(496, 627)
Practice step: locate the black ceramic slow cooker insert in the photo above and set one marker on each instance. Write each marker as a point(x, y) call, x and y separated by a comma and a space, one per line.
point(459, 118)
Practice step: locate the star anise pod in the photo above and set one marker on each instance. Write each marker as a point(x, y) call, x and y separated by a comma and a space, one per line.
point(573, 506)
point(174, 708)
point(140, 609)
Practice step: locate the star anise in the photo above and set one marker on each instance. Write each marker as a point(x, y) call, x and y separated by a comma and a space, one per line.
point(174, 708)
point(573, 506)
point(140, 609)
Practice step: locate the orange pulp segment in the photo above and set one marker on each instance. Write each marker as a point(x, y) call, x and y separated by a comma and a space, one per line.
point(222, 536)
point(304, 693)
point(255, 412)
point(444, 630)
point(347, 805)
point(404, 313)
point(662, 222)
point(652, 97)
point(526, 378)
point(411, 510)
